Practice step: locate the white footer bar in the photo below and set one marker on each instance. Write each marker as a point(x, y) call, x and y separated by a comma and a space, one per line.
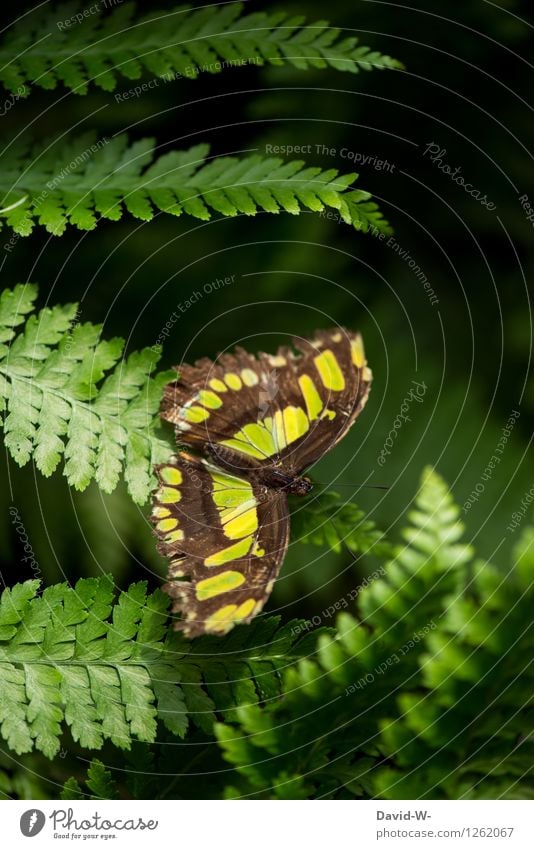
point(268, 824)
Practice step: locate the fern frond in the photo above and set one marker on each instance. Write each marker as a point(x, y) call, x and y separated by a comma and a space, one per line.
point(65, 393)
point(74, 49)
point(466, 733)
point(99, 782)
point(71, 790)
point(430, 696)
point(99, 178)
point(326, 520)
point(110, 668)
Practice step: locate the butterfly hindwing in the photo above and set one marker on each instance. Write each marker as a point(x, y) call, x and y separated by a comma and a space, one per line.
point(225, 538)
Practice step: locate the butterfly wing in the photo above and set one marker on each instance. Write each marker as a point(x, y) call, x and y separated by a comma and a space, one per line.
point(334, 380)
point(284, 410)
point(225, 538)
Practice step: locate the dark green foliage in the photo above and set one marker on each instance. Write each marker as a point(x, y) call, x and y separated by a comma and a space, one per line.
point(453, 716)
point(328, 521)
point(51, 47)
point(99, 783)
point(92, 178)
point(109, 668)
point(427, 696)
point(65, 392)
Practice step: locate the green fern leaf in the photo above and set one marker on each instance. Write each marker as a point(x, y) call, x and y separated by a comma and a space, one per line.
point(109, 669)
point(65, 393)
point(99, 783)
point(75, 49)
point(71, 790)
point(428, 696)
point(330, 522)
point(96, 179)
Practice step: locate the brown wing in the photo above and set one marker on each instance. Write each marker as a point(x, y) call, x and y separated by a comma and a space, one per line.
point(335, 380)
point(225, 538)
point(284, 410)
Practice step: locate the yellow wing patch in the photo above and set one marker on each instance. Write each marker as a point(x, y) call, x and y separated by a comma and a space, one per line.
point(270, 436)
point(218, 385)
point(168, 495)
point(236, 506)
point(233, 381)
point(242, 524)
point(312, 399)
point(165, 525)
point(222, 583)
point(161, 512)
point(295, 423)
point(358, 353)
point(171, 475)
point(209, 399)
point(232, 552)
point(175, 536)
point(231, 614)
point(195, 415)
point(249, 377)
point(330, 370)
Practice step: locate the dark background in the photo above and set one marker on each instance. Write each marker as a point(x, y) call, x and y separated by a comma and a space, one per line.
point(464, 88)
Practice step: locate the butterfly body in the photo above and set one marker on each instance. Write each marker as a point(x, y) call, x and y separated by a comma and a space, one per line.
point(290, 484)
point(251, 427)
point(276, 476)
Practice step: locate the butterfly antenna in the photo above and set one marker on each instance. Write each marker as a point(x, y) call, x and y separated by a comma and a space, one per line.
point(355, 485)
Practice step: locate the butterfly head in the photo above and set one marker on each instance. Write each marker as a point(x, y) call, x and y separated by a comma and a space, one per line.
point(300, 486)
point(277, 478)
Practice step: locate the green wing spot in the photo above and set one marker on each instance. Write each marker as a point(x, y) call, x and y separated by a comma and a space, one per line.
point(312, 399)
point(270, 436)
point(223, 583)
point(239, 549)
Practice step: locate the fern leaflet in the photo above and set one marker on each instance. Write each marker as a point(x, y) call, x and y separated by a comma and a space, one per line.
point(99, 782)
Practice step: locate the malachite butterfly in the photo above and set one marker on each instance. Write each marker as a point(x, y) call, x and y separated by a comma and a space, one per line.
point(249, 427)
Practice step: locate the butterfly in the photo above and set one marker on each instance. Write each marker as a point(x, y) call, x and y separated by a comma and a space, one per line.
point(248, 427)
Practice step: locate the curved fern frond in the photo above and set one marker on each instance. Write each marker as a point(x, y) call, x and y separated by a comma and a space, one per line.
point(66, 393)
point(110, 668)
point(76, 48)
point(428, 697)
point(99, 178)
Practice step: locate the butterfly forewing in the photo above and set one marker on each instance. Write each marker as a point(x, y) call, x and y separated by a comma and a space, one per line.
point(287, 407)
